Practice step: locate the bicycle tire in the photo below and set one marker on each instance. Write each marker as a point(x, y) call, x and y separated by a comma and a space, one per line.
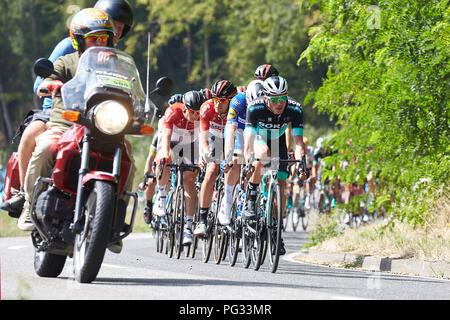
point(179, 221)
point(274, 230)
point(259, 249)
point(170, 225)
point(288, 213)
point(218, 231)
point(233, 239)
point(246, 246)
point(194, 243)
point(159, 238)
point(208, 239)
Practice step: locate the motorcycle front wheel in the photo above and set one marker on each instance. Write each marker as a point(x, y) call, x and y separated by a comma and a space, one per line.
point(90, 244)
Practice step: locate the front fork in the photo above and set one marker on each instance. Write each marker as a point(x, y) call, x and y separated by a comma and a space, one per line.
point(77, 225)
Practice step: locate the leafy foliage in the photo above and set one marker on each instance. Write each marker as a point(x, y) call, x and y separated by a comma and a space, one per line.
point(387, 88)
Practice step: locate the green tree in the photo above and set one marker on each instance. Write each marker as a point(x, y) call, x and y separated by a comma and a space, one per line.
point(387, 88)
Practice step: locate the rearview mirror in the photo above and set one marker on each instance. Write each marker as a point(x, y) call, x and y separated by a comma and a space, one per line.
point(164, 87)
point(43, 67)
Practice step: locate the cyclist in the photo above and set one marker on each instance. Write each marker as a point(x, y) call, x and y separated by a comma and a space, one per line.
point(308, 186)
point(177, 143)
point(265, 71)
point(213, 117)
point(122, 15)
point(206, 94)
point(266, 123)
point(320, 153)
point(234, 142)
point(149, 189)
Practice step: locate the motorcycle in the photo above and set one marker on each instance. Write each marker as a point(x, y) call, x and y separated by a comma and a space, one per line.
point(81, 209)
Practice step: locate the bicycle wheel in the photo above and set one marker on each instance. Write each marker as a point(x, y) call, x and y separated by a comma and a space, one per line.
point(295, 220)
point(274, 227)
point(259, 244)
point(307, 209)
point(208, 238)
point(179, 221)
point(288, 212)
point(194, 243)
point(159, 236)
point(236, 228)
point(219, 236)
point(247, 243)
point(170, 216)
point(320, 204)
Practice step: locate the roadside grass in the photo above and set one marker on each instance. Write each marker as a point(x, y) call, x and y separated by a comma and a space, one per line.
point(8, 226)
point(393, 238)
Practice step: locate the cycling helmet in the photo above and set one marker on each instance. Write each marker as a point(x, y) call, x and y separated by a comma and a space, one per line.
point(119, 10)
point(206, 93)
point(223, 89)
point(320, 141)
point(88, 21)
point(241, 89)
point(175, 98)
point(264, 71)
point(275, 86)
point(254, 90)
point(193, 100)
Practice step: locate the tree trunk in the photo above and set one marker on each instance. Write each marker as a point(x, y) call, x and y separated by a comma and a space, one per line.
point(6, 119)
point(34, 48)
point(206, 53)
point(189, 54)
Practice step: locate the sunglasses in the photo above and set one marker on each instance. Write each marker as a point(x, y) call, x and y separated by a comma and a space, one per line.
point(93, 38)
point(278, 99)
point(192, 111)
point(221, 100)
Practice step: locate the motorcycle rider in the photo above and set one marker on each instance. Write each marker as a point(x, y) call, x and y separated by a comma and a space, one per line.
point(122, 15)
point(89, 27)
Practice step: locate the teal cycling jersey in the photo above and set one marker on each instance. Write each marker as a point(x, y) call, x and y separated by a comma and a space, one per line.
point(263, 122)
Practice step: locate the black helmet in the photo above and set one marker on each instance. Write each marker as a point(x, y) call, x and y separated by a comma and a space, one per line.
point(119, 10)
point(206, 93)
point(223, 89)
point(264, 71)
point(193, 100)
point(178, 97)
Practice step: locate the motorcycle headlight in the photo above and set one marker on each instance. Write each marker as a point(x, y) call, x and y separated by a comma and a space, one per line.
point(111, 117)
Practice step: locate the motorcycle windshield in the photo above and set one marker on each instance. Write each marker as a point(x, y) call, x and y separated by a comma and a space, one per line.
point(109, 68)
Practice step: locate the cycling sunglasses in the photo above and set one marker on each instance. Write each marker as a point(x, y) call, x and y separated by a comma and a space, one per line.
point(278, 99)
point(93, 38)
point(221, 100)
point(193, 112)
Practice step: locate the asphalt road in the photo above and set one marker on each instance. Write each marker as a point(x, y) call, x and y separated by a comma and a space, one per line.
point(140, 273)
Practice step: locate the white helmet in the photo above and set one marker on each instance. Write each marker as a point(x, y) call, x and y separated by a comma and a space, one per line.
point(320, 141)
point(275, 86)
point(254, 90)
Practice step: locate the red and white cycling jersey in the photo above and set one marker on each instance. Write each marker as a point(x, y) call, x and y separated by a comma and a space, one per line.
point(211, 121)
point(183, 131)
